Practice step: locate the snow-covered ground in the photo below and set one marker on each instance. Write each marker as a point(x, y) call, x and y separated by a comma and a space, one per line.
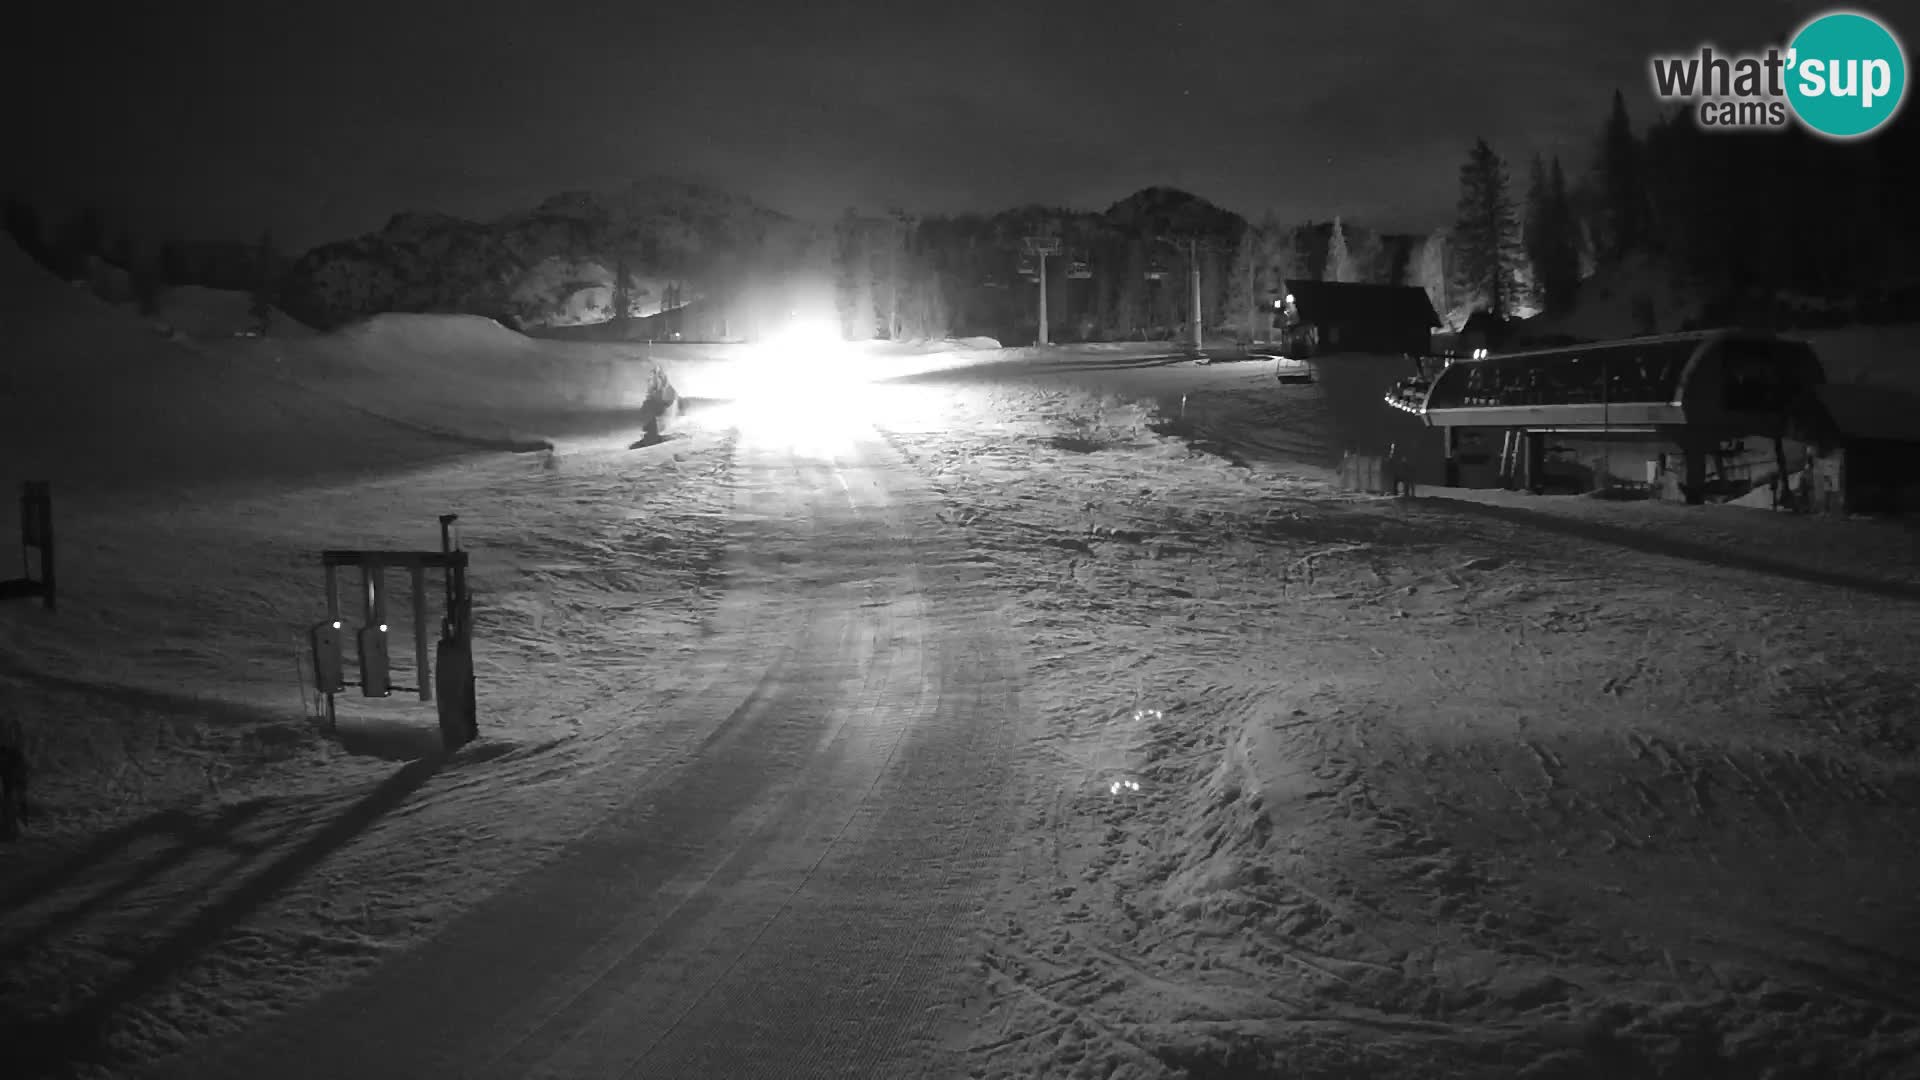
point(1313, 783)
point(1471, 785)
point(180, 772)
point(201, 312)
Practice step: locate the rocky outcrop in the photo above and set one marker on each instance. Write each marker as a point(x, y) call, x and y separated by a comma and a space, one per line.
point(553, 265)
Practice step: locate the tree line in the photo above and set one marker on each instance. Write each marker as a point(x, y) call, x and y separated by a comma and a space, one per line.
point(1747, 219)
point(84, 247)
point(1759, 225)
point(1120, 274)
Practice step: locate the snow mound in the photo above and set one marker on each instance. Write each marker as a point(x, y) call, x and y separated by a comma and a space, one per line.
point(924, 346)
point(201, 312)
point(471, 376)
point(432, 334)
point(92, 398)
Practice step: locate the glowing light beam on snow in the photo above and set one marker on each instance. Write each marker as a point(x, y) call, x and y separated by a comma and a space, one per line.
point(806, 387)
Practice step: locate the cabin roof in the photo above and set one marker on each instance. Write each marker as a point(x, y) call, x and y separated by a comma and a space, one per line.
point(1329, 303)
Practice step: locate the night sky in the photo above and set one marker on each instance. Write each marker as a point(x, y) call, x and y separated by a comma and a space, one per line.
point(320, 120)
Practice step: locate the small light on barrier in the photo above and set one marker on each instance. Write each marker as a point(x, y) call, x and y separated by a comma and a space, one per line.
point(383, 628)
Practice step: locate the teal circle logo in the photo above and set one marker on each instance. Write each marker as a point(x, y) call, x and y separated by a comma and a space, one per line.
point(1846, 75)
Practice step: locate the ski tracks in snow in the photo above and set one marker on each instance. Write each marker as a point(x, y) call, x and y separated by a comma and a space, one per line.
point(784, 893)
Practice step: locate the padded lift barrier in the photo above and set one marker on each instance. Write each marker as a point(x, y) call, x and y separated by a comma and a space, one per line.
point(448, 680)
point(36, 536)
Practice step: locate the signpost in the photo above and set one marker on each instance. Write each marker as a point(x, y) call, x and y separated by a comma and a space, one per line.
point(1040, 247)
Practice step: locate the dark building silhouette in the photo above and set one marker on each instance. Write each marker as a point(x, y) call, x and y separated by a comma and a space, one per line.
point(1323, 317)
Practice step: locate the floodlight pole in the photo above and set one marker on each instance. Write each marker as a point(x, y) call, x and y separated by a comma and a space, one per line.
point(1043, 297)
point(1193, 284)
point(1253, 303)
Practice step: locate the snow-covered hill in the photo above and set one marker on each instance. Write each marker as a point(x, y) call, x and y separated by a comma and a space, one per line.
point(96, 398)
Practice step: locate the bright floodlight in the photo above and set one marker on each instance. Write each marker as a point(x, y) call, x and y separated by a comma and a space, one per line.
point(809, 336)
point(805, 386)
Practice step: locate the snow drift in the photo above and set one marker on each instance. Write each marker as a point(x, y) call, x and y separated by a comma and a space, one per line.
point(94, 398)
point(201, 312)
point(97, 398)
point(470, 376)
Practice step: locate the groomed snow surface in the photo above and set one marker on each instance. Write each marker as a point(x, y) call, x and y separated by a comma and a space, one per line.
point(1476, 786)
point(1311, 784)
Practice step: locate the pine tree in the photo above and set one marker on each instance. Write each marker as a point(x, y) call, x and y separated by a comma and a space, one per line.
point(1559, 270)
point(122, 253)
point(1536, 228)
point(923, 304)
point(1241, 281)
point(23, 224)
point(174, 270)
point(1367, 254)
point(266, 260)
point(1134, 306)
point(899, 270)
point(1279, 257)
point(1429, 270)
point(260, 310)
point(1339, 260)
point(82, 236)
point(1303, 252)
point(621, 300)
point(1487, 252)
point(1623, 192)
point(859, 315)
point(146, 287)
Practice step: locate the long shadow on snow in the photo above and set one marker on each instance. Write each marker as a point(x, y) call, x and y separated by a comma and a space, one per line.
point(134, 697)
point(53, 1048)
point(188, 833)
point(180, 824)
point(183, 824)
point(1670, 547)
